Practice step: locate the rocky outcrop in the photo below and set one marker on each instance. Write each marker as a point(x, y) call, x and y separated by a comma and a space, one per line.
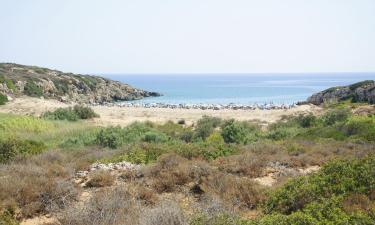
point(359, 92)
point(17, 80)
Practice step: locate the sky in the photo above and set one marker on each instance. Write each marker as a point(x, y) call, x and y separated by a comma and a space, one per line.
point(190, 36)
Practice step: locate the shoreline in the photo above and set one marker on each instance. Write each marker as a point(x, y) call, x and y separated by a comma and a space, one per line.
point(116, 115)
point(201, 106)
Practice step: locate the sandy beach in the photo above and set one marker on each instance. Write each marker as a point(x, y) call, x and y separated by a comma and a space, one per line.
point(115, 115)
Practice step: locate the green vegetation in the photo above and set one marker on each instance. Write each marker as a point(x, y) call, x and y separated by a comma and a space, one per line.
point(32, 89)
point(212, 168)
point(71, 114)
point(12, 148)
point(3, 99)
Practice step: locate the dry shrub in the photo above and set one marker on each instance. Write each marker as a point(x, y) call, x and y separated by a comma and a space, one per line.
point(169, 172)
point(355, 202)
point(247, 164)
point(41, 184)
point(143, 194)
point(32, 189)
point(109, 206)
point(100, 178)
point(166, 213)
point(239, 192)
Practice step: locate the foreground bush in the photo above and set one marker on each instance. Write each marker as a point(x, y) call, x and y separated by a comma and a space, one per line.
point(3, 99)
point(337, 178)
point(71, 114)
point(11, 148)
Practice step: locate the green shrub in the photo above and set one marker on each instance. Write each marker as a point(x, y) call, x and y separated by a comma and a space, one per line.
point(11, 148)
point(84, 112)
point(187, 136)
point(360, 127)
point(82, 139)
point(146, 153)
point(306, 120)
point(33, 90)
point(211, 153)
point(329, 211)
point(336, 115)
point(282, 133)
point(112, 137)
point(239, 132)
point(71, 114)
point(61, 114)
point(8, 218)
point(3, 99)
point(153, 136)
point(337, 178)
point(205, 127)
point(10, 84)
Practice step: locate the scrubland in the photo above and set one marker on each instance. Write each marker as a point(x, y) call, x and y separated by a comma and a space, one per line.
point(305, 169)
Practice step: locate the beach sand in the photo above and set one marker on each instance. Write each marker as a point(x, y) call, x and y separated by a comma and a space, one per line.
point(116, 115)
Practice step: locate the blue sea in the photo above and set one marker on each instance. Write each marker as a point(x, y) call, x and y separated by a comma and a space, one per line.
point(237, 88)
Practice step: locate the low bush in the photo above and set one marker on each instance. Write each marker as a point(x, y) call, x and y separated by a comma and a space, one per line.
point(329, 211)
point(109, 206)
point(71, 114)
point(335, 115)
point(84, 112)
point(32, 89)
point(240, 192)
point(100, 178)
point(3, 99)
point(12, 147)
point(305, 121)
point(156, 137)
point(166, 213)
point(360, 127)
point(336, 178)
point(205, 127)
point(10, 84)
point(239, 132)
point(61, 114)
point(112, 137)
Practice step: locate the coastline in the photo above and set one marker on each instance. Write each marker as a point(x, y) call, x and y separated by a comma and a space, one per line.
point(116, 115)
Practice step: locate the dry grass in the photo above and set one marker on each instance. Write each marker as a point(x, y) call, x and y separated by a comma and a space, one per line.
point(109, 206)
point(166, 213)
point(42, 184)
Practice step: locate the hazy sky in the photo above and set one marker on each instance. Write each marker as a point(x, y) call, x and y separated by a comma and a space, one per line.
point(190, 36)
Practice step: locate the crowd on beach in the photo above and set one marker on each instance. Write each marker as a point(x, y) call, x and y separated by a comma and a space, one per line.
point(204, 106)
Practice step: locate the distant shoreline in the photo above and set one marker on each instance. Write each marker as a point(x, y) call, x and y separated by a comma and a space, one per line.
point(202, 106)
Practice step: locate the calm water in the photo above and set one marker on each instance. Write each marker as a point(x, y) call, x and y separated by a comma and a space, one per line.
point(244, 89)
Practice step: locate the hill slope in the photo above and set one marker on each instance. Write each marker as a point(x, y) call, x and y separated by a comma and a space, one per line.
point(359, 92)
point(17, 80)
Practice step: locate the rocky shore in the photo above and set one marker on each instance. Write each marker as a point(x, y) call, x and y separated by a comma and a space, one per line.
point(20, 80)
point(359, 92)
